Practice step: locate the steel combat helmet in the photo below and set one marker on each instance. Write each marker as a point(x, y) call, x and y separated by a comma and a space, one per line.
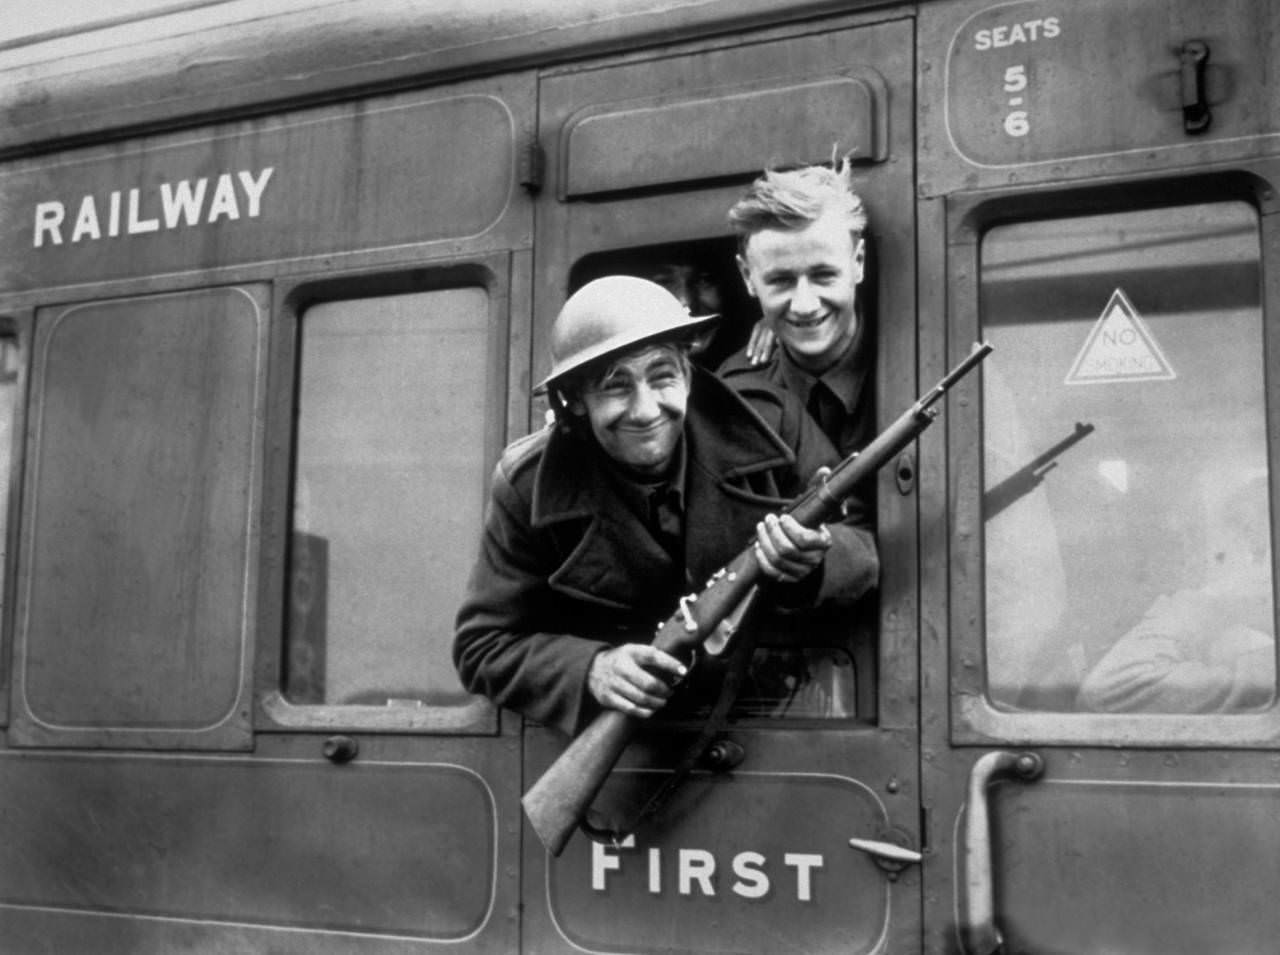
point(613, 314)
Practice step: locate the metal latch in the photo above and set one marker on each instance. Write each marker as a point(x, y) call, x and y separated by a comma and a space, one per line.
point(533, 165)
point(891, 856)
point(1194, 57)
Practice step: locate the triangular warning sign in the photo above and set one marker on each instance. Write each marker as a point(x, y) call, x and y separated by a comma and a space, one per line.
point(1120, 347)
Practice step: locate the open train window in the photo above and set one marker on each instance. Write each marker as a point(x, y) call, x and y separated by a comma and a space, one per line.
point(1126, 488)
point(701, 274)
point(390, 451)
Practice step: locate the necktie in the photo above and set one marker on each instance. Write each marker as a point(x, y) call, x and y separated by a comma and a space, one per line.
point(825, 408)
point(664, 518)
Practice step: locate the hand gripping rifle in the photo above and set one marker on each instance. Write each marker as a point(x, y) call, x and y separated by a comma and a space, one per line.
point(558, 801)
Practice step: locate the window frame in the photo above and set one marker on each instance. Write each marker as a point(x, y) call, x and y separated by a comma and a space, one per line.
point(505, 363)
point(18, 324)
point(975, 719)
point(234, 731)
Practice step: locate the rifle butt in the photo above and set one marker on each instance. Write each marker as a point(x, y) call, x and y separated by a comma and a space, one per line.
point(563, 794)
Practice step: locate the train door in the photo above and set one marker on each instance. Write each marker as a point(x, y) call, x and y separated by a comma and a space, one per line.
point(270, 373)
point(1113, 665)
point(1099, 737)
point(645, 154)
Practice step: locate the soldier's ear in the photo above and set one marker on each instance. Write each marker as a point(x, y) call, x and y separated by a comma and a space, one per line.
point(561, 402)
point(859, 259)
point(745, 271)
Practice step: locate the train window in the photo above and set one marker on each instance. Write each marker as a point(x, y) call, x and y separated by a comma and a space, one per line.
point(701, 274)
point(139, 521)
point(1126, 500)
point(390, 452)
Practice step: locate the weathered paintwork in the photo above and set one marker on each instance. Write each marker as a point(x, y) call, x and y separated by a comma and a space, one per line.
point(179, 190)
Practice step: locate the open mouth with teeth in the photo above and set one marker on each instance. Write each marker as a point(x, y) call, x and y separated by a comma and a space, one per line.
point(806, 322)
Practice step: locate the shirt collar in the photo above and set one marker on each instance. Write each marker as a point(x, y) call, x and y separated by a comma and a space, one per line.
point(844, 380)
point(637, 492)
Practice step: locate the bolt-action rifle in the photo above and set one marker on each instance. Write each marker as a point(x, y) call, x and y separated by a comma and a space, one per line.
point(557, 802)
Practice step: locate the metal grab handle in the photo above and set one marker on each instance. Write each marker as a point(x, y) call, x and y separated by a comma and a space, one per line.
point(978, 918)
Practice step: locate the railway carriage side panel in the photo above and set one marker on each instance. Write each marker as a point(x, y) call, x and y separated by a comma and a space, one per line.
point(1100, 772)
point(271, 363)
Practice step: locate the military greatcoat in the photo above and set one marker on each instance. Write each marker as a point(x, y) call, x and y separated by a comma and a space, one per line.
point(566, 569)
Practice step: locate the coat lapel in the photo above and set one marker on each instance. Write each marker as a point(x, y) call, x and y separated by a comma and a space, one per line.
point(615, 556)
point(611, 559)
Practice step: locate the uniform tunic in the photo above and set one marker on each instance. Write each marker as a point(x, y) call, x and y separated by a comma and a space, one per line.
point(841, 399)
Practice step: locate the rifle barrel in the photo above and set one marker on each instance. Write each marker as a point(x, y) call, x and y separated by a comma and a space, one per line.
point(979, 352)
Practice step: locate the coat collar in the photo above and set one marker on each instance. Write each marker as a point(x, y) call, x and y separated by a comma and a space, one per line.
point(725, 438)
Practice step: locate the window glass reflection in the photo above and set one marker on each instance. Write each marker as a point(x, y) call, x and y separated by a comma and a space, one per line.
point(1126, 491)
point(387, 495)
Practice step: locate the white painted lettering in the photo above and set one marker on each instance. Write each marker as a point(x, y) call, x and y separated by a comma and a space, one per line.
point(752, 882)
point(803, 862)
point(137, 225)
point(696, 871)
point(49, 216)
point(253, 188)
point(224, 200)
point(603, 861)
point(180, 203)
point(86, 221)
point(696, 865)
point(1010, 34)
point(113, 214)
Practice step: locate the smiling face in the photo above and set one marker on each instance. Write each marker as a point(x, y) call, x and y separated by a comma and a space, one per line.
point(806, 281)
point(636, 409)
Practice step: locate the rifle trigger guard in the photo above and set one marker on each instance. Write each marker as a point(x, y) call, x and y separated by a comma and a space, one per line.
point(605, 835)
point(689, 665)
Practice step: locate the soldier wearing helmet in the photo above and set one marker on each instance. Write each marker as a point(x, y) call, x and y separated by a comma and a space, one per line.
point(653, 476)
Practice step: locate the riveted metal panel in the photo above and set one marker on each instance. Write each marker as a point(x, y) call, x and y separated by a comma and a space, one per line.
point(159, 853)
point(682, 140)
point(1037, 90)
point(277, 190)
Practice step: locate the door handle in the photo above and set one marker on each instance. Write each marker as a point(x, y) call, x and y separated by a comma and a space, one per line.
point(978, 915)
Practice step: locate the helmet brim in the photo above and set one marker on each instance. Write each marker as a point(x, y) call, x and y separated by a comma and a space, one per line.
point(619, 343)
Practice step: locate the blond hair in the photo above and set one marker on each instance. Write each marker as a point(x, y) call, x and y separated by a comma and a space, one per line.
point(793, 198)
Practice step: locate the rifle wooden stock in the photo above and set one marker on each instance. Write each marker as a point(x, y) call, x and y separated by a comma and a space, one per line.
point(559, 800)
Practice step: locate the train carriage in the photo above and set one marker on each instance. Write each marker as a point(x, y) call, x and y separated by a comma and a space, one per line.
point(277, 287)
